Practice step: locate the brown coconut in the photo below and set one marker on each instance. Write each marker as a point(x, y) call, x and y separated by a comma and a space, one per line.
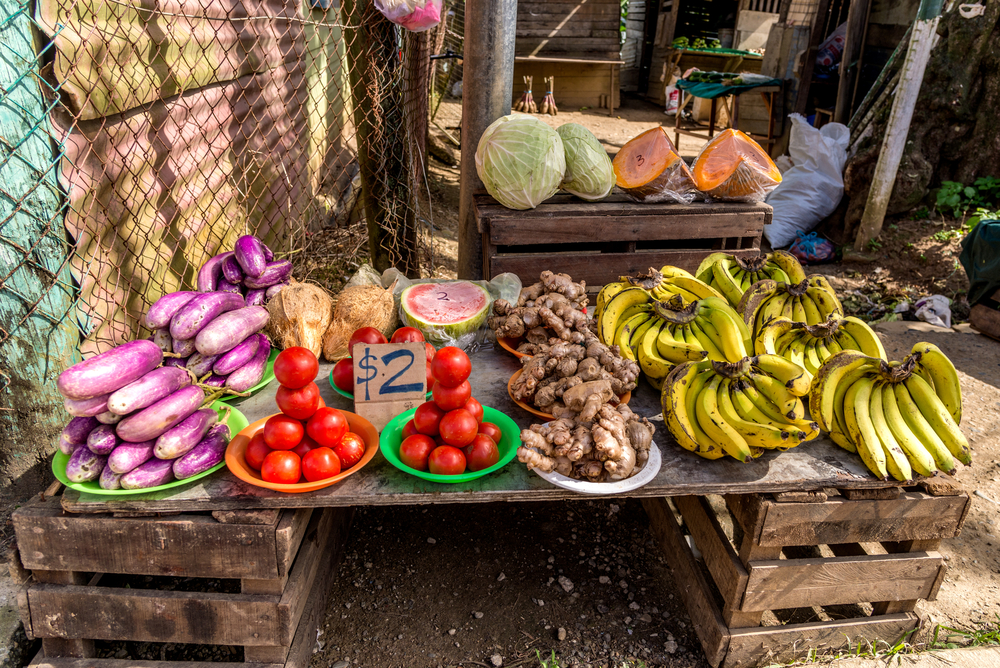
point(300, 314)
point(358, 306)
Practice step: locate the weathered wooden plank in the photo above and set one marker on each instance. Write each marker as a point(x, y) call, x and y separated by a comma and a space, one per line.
point(940, 485)
point(581, 229)
point(871, 494)
point(799, 497)
point(721, 559)
point(798, 583)
point(41, 661)
point(691, 584)
point(288, 536)
point(902, 547)
point(912, 516)
point(184, 545)
point(616, 204)
point(584, 33)
point(985, 320)
point(791, 641)
point(258, 516)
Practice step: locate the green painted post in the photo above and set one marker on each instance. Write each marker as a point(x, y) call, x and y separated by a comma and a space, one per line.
point(38, 334)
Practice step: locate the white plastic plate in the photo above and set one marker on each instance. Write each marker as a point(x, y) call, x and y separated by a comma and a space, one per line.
point(616, 487)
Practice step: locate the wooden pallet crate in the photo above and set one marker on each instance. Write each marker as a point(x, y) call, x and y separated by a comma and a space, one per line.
point(735, 582)
point(276, 565)
point(598, 242)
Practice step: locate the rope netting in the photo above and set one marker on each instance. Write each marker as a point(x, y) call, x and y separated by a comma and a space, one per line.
point(165, 129)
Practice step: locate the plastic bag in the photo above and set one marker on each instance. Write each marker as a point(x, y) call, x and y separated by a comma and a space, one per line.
point(934, 310)
point(810, 248)
point(505, 286)
point(831, 50)
point(648, 169)
point(812, 188)
point(414, 15)
point(732, 167)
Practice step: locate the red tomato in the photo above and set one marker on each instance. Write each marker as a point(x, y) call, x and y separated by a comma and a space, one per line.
point(451, 366)
point(427, 417)
point(256, 451)
point(282, 432)
point(406, 335)
point(430, 351)
point(365, 335)
point(409, 429)
point(343, 375)
point(299, 404)
point(451, 398)
point(446, 460)
point(414, 450)
point(482, 453)
point(492, 431)
point(475, 408)
point(430, 377)
point(327, 426)
point(458, 428)
point(350, 449)
point(282, 467)
point(296, 367)
point(320, 464)
point(305, 446)
point(322, 404)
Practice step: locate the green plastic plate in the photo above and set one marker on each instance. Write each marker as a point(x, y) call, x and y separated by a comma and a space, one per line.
point(348, 395)
point(237, 422)
point(509, 442)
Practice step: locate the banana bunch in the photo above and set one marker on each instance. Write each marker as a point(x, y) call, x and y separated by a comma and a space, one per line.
point(660, 334)
point(738, 409)
point(661, 285)
point(900, 417)
point(732, 275)
point(810, 346)
point(811, 301)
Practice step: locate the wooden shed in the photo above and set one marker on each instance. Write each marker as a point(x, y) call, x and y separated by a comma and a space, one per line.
point(576, 41)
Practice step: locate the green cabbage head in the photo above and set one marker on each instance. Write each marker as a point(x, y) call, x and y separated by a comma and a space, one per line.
point(520, 160)
point(589, 174)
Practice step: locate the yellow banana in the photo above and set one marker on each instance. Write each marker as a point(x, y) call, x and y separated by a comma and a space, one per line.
point(770, 413)
point(756, 434)
point(673, 350)
point(722, 305)
point(695, 287)
point(838, 425)
point(717, 429)
point(767, 339)
point(826, 302)
point(866, 338)
point(613, 310)
point(606, 293)
point(772, 309)
point(794, 378)
point(796, 352)
point(944, 377)
point(624, 335)
point(670, 271)
point(895, 459)
point(776, 392)
point(798, 312)
point(824, 386)
point(726, 284)
point(729, 338)
point(651, 363)
point(833, 346)
point(920, 457)
point(789, 264)
point(812, 360)
point(708, 340)
point(812, 313)
point(938, 417)
point(673, 400)
point(923, 431)
point(860, 429)
point(636, 338)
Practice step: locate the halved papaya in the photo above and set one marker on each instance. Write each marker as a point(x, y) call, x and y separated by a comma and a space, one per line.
point(733, 167)
point(648, 169)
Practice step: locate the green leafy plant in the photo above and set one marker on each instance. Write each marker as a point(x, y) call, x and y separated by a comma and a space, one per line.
point(874, 245)
point(958, 199)
point(923, 213)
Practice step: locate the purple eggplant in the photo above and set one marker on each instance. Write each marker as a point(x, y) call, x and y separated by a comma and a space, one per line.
point(149, 389)
point(105, 373)
point(200, 311)
point(256, 297)
point(79, 429)
point(238, 356)
point(274, 290)
point(231, 270)
point(175, 362)
point(210, 272)
point(250, 373)
point(229, 329)
point(103, 440)
point(153, 473)
point(226, 286)
point(109, 479)
point(268, 255)
point(150, 422)
point(159, 314)
point(249, 253)
point(66, 447)
point(128, 456)
point(161, 338)
point(199, 364)
point(215, 380)
point(179, 439)
point(207, 453)
point(84, 465)
point(184, 347)
point(108, 418)
point(276, 272)
point(87, 407)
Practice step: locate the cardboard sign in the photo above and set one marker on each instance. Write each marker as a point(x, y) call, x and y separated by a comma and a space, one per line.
point(389, 379)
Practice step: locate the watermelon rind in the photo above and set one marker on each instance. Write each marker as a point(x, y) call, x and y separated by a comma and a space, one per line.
point(436, 332)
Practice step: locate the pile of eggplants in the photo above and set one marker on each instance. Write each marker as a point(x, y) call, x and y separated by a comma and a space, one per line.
point(137, 424)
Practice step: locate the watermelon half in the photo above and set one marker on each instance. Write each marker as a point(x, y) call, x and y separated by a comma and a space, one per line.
point(444, 312)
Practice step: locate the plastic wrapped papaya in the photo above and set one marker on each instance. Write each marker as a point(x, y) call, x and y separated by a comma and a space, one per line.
point(648, 169)
point(732, 167)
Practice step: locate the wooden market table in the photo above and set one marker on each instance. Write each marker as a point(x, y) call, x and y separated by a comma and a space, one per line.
point(784, 503)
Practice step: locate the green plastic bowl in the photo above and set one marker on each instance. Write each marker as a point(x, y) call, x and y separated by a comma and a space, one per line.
point(392, 437)
point(237, 422)
point(348, 395)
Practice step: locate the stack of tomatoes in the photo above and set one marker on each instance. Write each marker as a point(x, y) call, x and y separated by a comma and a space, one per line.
point(307, 439)
point(447, 435)
point(343, 371)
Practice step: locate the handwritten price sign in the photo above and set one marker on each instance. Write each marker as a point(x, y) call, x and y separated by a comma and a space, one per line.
point(389, 378)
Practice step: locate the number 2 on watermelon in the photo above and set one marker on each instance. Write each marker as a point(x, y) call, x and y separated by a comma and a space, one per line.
point(445, 311)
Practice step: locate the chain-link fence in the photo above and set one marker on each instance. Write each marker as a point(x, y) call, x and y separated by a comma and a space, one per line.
point(165, 129)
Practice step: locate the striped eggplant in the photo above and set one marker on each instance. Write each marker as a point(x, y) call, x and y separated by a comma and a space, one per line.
point(150, 422)
point(200, 311)
point(226, 331)
point(250, 373)
point(128, 456)
point(159, 314)
point(211, 272)
point(207, 453)
point(103, 440)
point(249, 253)
point(153, 473)
point(149, 389)
point(109, 371)
point(276, 272)
point(84, 465)
point(180, 438)
point(238, 356)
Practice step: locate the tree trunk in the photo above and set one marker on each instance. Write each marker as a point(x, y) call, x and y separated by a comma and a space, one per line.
point(954, 135)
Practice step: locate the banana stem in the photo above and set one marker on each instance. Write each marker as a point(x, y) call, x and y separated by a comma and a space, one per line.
point(732, 370)
point(676, 316)
point(647, 281)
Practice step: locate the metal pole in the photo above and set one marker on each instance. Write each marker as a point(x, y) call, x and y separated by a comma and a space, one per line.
point(487, 88)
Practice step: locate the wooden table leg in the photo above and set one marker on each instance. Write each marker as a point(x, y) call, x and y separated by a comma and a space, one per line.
point(611, 97)
point(736, 113)
point(677, 120)
point(711, 118)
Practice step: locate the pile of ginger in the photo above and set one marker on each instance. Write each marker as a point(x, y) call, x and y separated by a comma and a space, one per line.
point(578, 380)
